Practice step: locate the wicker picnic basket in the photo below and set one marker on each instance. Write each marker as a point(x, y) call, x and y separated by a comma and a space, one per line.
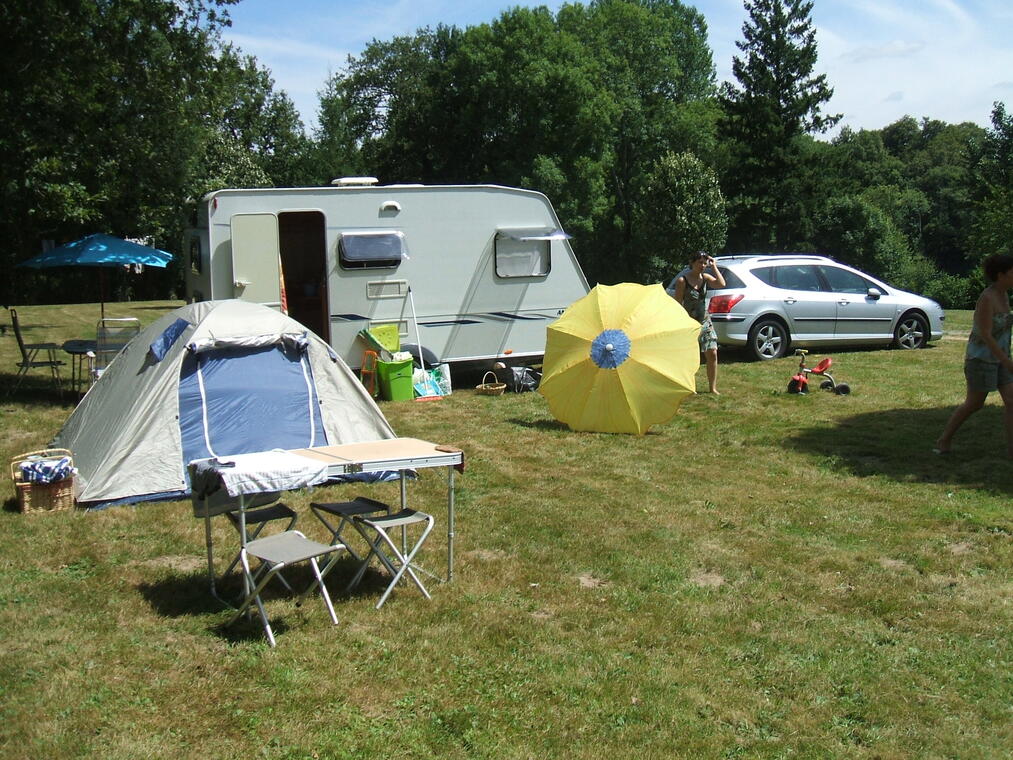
point(42, 497)
point(494, 388)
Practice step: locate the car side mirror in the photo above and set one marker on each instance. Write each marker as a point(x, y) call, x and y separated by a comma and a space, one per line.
point(874, 294)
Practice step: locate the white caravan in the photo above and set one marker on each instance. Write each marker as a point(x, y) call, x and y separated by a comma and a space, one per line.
point(481, 269)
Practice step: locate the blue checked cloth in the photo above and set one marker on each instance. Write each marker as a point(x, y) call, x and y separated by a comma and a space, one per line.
point(46, 470)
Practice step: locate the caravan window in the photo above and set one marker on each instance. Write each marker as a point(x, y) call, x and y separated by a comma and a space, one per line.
point(525, 253)
point(371, 250)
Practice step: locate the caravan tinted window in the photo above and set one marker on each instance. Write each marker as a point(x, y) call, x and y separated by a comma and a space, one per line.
point(524, 253)
point(371, 250)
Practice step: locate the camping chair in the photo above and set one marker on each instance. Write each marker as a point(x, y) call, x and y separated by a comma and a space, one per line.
point(30, 353)
point(111, 335)
point(256, 521)
point(260, 510)
point(346, 510)
point(277, 552)
point(398, 562)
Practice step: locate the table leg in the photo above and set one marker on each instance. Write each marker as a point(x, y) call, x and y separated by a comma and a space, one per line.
point(404, 505)
point(211, 562)
point(450, 524)
point(242, 540)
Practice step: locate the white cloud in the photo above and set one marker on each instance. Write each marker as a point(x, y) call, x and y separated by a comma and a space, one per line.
point(892, 49)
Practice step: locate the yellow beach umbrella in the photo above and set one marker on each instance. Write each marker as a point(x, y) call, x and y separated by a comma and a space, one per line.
point(620, 359)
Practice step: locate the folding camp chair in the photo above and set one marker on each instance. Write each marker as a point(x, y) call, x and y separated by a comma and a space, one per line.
point(255, 522)
point(30, 356)
point(111, 335)
point(399, 561)
point(277, 552)
point(346, 510)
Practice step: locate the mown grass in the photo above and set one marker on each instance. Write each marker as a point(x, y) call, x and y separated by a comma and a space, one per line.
point(764, 576)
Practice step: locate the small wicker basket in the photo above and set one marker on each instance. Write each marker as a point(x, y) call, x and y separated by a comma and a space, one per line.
point(494, 388)
point(42, 497)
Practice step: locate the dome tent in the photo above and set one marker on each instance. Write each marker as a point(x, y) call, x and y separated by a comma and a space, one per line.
point(215, 378)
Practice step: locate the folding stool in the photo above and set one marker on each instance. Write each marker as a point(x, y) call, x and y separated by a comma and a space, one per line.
point(277, 552)
point(257, 519)
point(379, 525)
point(346, 510)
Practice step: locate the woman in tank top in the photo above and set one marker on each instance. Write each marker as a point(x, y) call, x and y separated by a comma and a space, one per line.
point(987, 363)
point(691, 292)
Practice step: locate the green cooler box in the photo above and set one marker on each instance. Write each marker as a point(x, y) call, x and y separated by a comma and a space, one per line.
point(396, 380)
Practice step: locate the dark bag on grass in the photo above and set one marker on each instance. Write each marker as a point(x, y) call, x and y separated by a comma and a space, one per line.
point(520, 379)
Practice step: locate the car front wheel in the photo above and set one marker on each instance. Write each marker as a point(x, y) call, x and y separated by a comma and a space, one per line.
point(768, 339)
point(912, 332)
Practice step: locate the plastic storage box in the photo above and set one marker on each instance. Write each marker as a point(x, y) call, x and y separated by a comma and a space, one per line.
point(396, 380)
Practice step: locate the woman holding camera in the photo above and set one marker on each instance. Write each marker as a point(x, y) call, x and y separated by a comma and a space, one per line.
point(691, 292)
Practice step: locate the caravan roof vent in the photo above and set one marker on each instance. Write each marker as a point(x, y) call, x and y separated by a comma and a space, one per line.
point(354, 181)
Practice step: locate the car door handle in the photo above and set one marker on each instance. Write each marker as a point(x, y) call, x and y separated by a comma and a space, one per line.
point(843, 302)
point(790, 301)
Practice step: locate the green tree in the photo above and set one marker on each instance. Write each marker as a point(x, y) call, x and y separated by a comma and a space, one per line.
point(335, 150)
point(653, 71)
point(683, 211)
point(244, 107)
point(937, 178)
point(856, 232)
point(580, 106)
point(100, 118)
point(767, 119)
point(992, 230)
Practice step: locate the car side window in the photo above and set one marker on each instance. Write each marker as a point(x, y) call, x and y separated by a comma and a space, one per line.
point(797, 277)
point(843, 281)
point(765, 275)
point(732, 280)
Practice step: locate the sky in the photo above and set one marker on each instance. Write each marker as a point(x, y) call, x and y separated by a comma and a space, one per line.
point(942, 59)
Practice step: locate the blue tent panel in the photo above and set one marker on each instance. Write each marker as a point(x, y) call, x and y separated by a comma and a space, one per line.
point(237, 401)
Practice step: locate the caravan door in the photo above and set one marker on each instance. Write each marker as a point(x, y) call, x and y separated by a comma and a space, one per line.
point(256, 259)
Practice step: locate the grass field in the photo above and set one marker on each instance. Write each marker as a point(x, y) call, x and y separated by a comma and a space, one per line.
point(764, 576)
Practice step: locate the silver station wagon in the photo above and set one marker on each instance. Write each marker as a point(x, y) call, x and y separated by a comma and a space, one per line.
point(773, 302)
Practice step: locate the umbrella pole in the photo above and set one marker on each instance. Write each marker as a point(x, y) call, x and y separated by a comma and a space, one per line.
point(102, 293)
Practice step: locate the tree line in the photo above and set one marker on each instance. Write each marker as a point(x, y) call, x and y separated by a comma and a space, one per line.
point(120, 114)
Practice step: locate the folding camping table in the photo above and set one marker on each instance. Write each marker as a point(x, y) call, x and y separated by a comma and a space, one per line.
point(245, 475)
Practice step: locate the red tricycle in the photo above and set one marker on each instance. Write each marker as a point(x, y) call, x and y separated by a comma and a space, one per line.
point(799, 382)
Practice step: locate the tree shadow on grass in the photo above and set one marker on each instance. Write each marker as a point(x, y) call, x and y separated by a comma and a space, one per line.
point(37, 390)
point(897, 443)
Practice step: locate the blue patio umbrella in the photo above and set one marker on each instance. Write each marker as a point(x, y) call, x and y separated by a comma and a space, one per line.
point(99, 251)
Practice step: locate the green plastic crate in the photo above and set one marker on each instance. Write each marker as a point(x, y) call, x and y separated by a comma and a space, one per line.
point(396, 380)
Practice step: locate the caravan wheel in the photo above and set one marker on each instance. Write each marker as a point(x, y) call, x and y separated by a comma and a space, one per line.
point(429, 359)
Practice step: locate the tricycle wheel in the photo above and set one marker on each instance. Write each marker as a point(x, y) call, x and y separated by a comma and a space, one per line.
point(826, 385)
point(797, 386)
point(842, 389)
